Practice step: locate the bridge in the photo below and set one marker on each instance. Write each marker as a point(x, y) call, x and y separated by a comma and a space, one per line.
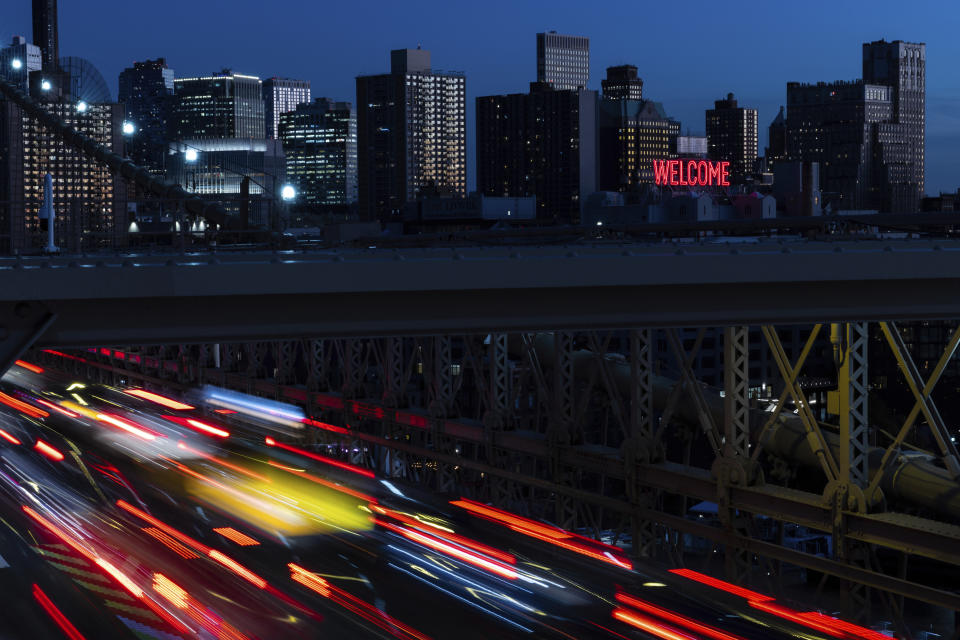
point(606, 387)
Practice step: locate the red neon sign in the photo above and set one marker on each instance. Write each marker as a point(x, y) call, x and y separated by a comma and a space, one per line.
point(691, 173)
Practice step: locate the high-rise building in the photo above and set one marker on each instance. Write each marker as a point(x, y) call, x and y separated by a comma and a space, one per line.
point(411, 134)
point(837, 125)
point(18, 60)
point(222, 105)
point(732, 137)
point(622, 83)
point(282, 95)
point(776, 140)
point(320, 143)
point(89, 202)
point(903, 66)
point(45, 34)
point(563, 62)
point(541, 144)
point(692, 146)
point(146, 91)
point(632, 134)
point(867, 135)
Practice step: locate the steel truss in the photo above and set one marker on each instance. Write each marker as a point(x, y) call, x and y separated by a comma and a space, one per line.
point(577, 428)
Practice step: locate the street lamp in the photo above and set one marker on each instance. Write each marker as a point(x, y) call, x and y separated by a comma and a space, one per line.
point(45, 85)
point(190, 155)
point(82, 107)
point(288, 193)
point(17, 64)
point(129, 128)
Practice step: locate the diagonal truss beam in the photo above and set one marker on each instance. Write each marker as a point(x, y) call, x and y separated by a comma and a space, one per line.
point(704, 416)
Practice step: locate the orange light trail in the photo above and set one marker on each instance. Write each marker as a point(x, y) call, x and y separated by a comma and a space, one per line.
point(649, 625)
point(197, 425)
point(48, 450)
point(326, 483)
point(120, 577)
point(9, 438)
point(170, 590)
point(222, 462)
point(159, 524)
point(238, 569)
point(492, 566)
point(158, 399)
point(793, 616)
point(22, 407)
point(58, 408)
point(352, 603)
point(240, 538)
point(65, 625)
point(28, 366)
point(452, 537)
point(723, 586)
point(325, 426)
point(324, 459)
point(179, 548)
point(675, 618)
point(553, 535)
point(57, 531)
point(128, 426)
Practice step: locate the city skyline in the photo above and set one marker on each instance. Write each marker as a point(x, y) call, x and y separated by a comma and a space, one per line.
point(811, 50)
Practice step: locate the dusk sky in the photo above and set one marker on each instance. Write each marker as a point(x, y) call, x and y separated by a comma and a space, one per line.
point(689, 54)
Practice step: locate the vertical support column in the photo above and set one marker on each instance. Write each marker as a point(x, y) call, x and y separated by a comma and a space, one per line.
point(392, 371)
point(639, 446)
point(351, 363)
point(736, 383)
point(494, 419)
point(562, 425)
point(316, 372)
point(286, 353)
point(853, 407)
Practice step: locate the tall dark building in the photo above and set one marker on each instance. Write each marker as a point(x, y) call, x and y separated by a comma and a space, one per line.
point(282, 95)
point(320, 144)
point(563, 62)
point(903, 66)
point(539, 144)
point(222, 105)
point(867, 135)
point(146, 90)
point(45, 34)
point(622, 83)
point(732, 136)
point(840, 125)
point(632, 134)
point(776, 140)
point(411, 134)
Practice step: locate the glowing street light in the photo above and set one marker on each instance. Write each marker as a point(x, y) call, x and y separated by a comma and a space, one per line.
point(82, 106)
point(190, 155)
point(17, 64)
point(45, 85)
point(129, 128)
point(288, 193)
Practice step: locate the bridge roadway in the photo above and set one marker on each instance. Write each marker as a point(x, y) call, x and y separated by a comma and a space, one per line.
point(142, 299)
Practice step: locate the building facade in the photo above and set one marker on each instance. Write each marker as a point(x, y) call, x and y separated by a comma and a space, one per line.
point(411, 134)
point(563, 62)
point(18, 60)
point(222, 105)
point(45, 33)
point(632, 134)
point(622, 83)
point(541, 144)
point(320, 144)
point(146, 91)
point(732, 136)
point(282, 95)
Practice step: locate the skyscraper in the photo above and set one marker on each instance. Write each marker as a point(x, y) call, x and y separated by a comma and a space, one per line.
point(146, 90)
point(411, 134)
point(282, 95)
point(632, 134)
point(563, 62)
point(903, 66)
point(867, 135)
point(622, 83)
point(541, 144)
point(320, 143)
point(45, 34)
point(732, 136)
point(222, 105)
point(18, 60)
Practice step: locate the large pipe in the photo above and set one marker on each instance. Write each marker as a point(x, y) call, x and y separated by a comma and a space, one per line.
point(913, 479)
point(117, 164)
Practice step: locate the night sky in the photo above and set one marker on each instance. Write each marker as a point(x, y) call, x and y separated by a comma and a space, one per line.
point(687, 56)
